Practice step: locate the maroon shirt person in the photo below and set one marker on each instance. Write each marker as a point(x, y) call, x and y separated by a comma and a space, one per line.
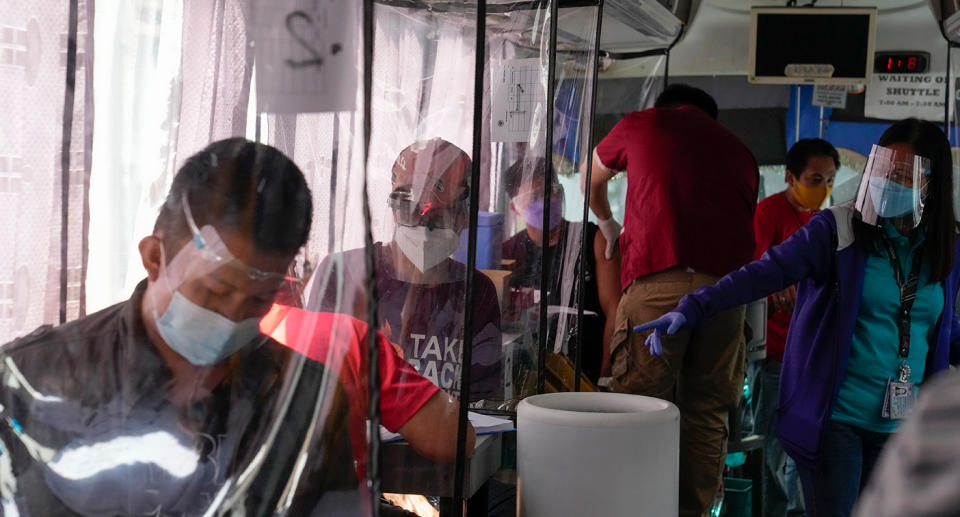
point(691, 195)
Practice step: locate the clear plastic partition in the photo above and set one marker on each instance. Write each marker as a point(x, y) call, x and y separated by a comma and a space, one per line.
point(626, 85)
point(249, 283)
point(405, 285)
point(183, 389)
point(545, 274)
point(173, 402)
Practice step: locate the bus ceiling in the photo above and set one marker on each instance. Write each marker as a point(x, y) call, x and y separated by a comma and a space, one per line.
point(631, 32)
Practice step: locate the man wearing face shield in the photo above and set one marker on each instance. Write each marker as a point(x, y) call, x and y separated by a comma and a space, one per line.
point(524, 182)
point(875, 315)
point(172, 402)
point(420, 289)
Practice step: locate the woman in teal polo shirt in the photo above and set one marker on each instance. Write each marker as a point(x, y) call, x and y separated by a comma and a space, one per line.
point(874, 318)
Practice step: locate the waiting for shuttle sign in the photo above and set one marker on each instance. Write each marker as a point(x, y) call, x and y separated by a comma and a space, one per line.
point(897, 96)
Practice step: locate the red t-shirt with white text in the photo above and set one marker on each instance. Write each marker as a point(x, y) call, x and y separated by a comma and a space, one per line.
point(336, 340)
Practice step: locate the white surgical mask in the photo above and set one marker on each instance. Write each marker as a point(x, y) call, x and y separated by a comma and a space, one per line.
point(425, 247)
point(202, 336)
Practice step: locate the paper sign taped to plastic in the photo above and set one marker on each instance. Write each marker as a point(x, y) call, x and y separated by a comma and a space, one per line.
point(830, 96)
point(306, 55)
point(519, 99)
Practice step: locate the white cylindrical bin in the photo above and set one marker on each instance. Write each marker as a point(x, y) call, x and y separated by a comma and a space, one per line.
point(605, 454)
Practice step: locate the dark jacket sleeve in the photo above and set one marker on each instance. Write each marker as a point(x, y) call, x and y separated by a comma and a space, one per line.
point(315, 430)
point(329, 484)
point(809, 252)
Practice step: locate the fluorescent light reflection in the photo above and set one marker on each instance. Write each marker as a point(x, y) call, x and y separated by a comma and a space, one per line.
point(160, 449)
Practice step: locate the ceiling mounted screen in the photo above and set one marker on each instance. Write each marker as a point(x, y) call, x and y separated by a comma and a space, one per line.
point(811, 45)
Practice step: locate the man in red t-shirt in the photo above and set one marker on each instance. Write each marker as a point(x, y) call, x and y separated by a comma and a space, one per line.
point(691, 194)
point(811, 167)
point(410, 404)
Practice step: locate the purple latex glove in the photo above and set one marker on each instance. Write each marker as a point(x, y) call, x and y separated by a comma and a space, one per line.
point(669, 323)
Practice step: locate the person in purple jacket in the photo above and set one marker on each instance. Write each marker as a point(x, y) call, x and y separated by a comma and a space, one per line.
point(874, 315)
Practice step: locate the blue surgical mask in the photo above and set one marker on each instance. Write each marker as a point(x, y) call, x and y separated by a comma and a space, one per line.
point(202, 336)
point(533, 214)
point(890, 199)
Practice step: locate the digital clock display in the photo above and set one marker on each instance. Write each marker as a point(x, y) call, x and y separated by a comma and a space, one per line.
point(901, 62)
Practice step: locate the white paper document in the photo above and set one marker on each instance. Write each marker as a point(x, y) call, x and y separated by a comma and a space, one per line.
point(306, 55)
point(519, 100)
point(487, 424)
point(482, 424)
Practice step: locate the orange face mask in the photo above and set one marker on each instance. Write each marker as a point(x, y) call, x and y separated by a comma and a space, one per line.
point(810, 198)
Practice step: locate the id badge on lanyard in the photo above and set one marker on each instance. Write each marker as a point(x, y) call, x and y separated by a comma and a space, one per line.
point(899, 397)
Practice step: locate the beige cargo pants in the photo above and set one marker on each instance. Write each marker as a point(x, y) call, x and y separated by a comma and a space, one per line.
point(701, 371)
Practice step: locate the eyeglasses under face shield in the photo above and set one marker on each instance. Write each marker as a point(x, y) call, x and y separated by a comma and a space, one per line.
point(895, 185)
point(207, 254)
point(409, 211)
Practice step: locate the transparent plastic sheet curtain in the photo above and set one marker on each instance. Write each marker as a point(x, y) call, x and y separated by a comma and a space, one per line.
point(270, 429)
point(522, 178)
point(170, 77)
point(420, 159)
point(600, 285)
point(625, 85)
point(658, 27)
point(33, 64)
point(172, 401)
point(137, 77)
point(418, 180)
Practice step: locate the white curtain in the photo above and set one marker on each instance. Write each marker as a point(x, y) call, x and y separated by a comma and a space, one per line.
point(137, 95)
point(171, 77)
point(33, 65)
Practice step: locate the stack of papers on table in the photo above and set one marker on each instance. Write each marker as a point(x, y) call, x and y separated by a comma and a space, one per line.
point(486, 424)
point(482, 424)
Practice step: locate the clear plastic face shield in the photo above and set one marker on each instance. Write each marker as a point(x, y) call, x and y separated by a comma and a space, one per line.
point(895, 185)
point(97, 418)
point(429, 201)
point(216, 300)
point(530, 203)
